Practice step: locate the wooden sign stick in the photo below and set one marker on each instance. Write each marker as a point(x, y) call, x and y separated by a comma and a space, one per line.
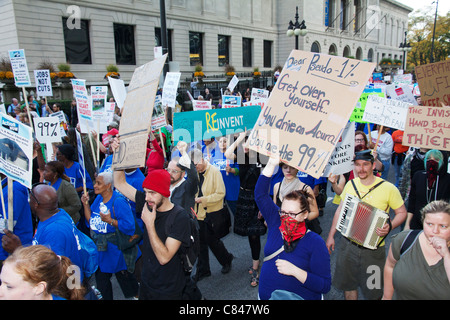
point(378, 138)
point(10, 205)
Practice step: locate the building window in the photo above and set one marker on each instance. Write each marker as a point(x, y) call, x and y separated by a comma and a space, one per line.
point(195, 48)
point(77, 43)
point(124, 44)
point(315, 47)
point(268, 54)
point(223, 50)
point(343, 15)
point(329, 13)
point(247, 52)
point(158, 41)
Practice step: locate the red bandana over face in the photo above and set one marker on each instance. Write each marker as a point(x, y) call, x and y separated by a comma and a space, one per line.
point(292, 229)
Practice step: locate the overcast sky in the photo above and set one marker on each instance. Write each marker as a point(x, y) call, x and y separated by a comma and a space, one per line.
point(443, 5)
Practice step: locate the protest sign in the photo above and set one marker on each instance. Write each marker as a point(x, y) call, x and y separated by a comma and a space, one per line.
point(428, 127)
point(43, 83)
point(201, 105)
point(308, 109)
point(401, 93)
point(62, 122)
point(199, 125)
point(47, 129)
point(377, 77)
point(403, 79)
point(84, 105)
point(99, 117)
point(386, 112)
point(158, 116)
point(169, 94)
point(233, 82)
point(137, 112)
point(259, 94)
point(341, 160)
point(20, 68)
point(434, 83)
point(258, 102)
point(118, 90)
point(358, 112)
point(16, 150)
point(231, 101)
point(2, 108)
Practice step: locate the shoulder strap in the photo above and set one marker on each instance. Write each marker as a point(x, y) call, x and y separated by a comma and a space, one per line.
point(409, 240)
point(274, 254)
point(371, 189)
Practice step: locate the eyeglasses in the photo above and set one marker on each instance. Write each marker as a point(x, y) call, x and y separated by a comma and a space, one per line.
point(292, 215)
point(32, 194)
point(359, 140)
point(173, 171)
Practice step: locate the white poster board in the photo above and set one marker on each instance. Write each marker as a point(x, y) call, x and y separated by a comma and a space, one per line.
point(118, 90)
point(169, 94)
point(43, 83)
point(47, 129)
point(233, 82)
point(386, 112)
point(341, 160)
point(20, 68)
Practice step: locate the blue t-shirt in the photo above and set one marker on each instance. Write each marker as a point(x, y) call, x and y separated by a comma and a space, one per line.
point(231, 181)
point(23, 226)
point(111, 260)
point(75, 173)
point(58, 234)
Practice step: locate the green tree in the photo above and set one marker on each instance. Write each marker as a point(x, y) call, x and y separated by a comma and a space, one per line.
point(420, 37)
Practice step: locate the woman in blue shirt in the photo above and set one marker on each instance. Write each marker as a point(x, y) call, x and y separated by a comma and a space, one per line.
point(297, 260)
point(103, 226)
point(66, 154)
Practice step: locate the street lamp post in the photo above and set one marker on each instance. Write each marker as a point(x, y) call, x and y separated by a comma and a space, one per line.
point(297, 29)
point(405, 47)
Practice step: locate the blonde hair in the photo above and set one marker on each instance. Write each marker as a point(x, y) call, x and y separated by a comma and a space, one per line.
point(435, 207)
point(38, 263)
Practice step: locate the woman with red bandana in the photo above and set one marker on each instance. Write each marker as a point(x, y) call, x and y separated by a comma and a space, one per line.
point(297, 262)
point(426, 186)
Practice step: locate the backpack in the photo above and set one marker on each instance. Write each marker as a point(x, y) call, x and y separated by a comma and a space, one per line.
point(409, 240)
point(88, 252)
point(188, 254)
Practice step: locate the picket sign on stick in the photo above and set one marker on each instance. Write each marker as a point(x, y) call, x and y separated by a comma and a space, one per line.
point(94, 154)
point(98, 145)
point(162, 143)
point(10, 205)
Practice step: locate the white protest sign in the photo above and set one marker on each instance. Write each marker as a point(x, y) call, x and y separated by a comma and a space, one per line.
point(16, 147)
point(47, 129)
point(341, 160)
point(158, 116)
point(43, 83)
point(20, 68)
point(169, 94)
point(259, 94)
point(386, 112)
point(84, 105)
point(202, 105)
point(233, 82)
point(258, 102)
point(118, 90)
point(231, 101)
point(62, 121)
point(98, 97)
point(401, 79)
point(402, 93)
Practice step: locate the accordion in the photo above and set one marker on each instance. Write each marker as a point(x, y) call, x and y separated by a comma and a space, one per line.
point(358, 222)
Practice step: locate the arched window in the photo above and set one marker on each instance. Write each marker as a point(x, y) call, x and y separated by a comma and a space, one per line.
point(370, 55)
point(346, 52)
point(315, 47)
point(332, 50)
point(359, 53)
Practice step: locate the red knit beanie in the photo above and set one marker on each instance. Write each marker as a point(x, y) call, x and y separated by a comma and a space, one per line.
point(159, 181)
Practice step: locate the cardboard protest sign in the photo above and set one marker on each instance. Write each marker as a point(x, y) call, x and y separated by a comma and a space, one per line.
point(47, 129)
point(20, 67)
point(199, 125)
point(84, 105)
point(341, 161)
point(428, 127)
point(401, 93)
point(158, 116)
point(386, 112)
point(231, 101)
point(434, 83)
point(118, 90)
point(169, 94)
point(137, 113)
point(358, 112)
point(259, 94)
point(308, 109)
point(43, 83)
point(16, 150)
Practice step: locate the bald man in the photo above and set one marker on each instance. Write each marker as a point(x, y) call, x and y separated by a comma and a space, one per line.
point(55, 228)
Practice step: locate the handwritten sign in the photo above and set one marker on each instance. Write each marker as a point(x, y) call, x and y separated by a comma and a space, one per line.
point(386, 112)
point(200, 125)
point(402, 93)
point(308, 109)
point(434, 83)
point(428, 127)
point(43, 83)
point(358, 112)
point(259, 94)
point(201, 105)
point(20, 68)
point(169, 94)
point(137, 112)
point(47, 129)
